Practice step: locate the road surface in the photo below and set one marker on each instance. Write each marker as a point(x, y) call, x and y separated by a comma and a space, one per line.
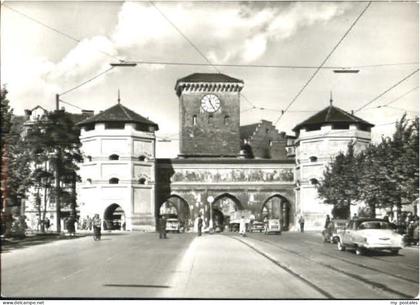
point(139, 265)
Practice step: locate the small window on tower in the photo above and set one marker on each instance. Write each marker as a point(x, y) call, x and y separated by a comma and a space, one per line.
point(114, 181)
point(227, 120)
point(194, 120)
point(313, 158)
point(142, 181)
point(210, 118)
point(114, 157)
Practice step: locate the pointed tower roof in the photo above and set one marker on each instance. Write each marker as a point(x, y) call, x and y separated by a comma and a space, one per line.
point(332, 114)
point(118, 113)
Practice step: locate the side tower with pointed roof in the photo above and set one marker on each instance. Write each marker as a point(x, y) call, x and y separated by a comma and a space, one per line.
point(319, 139)
point(118, 172)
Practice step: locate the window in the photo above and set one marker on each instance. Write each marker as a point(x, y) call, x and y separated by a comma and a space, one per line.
point(90, 127)
point(313, 158)
point(114, 157)
point(227, 120)
point(88, 180)
point(267, 130)
point(89, 158)
point(142, 158)
point(194, 121)
point(341, 125)
point(114, 181)
point(314, 181)
point(142, 181)
point(210, 118)
point(114, 125)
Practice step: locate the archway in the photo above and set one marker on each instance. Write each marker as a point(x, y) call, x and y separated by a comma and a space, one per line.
point(222, 209)
point(277, 207)
point(114, 218)
point(177, 207)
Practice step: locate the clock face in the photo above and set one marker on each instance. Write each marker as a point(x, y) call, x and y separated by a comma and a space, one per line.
point(210, 103)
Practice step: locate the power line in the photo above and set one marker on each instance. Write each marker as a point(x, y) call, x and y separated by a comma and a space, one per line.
point(401, 109)
point(172, 63)
point(323, 62)
point(55, 30)
point(71, 104)
point(401, 96)
point(85, 82)
point(387, 90)
point(194, 46)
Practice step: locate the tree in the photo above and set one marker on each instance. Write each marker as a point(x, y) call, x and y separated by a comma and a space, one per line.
point(15, 164)
point(340, 183)
point(55, 141)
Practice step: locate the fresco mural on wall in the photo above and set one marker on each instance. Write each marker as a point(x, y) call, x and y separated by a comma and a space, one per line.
point(232, 175)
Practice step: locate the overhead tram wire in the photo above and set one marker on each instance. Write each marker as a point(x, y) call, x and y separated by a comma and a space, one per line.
point(87, 81)
point(71, 104)
point(57, 31)
point(323, 62)
point(401, 96)
point(387, 90)
point(194, 46)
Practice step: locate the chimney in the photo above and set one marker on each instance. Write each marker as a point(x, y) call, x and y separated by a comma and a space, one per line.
point(27, 114)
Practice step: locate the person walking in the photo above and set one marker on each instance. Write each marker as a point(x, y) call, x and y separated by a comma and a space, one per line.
point(301, 223)
point(162, 227)
point(96, 224)
point(199, 225)
point(242, 226)
point(327, 221)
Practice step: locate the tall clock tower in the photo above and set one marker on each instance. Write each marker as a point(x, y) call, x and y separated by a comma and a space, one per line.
point(209, 115)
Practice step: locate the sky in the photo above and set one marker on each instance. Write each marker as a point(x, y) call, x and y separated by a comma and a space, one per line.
point(51, 47)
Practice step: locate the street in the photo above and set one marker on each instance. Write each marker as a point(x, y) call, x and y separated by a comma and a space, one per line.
point(139, 265)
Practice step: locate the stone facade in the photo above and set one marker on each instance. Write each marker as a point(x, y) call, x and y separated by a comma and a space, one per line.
point(209, 133)
point(317, 144)
point(246, 184)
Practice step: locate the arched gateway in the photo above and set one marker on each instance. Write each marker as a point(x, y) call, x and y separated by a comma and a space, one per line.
point(176, 207)
point(277, 207)
point(114, 218)
point(223, 206)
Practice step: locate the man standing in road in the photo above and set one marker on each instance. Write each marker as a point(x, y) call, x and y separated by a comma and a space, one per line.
point(199, 225)
point(242, 226)
point(301, 223)
point(162, 227)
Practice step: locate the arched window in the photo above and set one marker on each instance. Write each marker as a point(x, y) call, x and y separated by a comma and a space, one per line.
point(114, 157)
point(227, 120)
point(142, 181)
point(142, 158)
point(88, 180)
point(313, 158)
point(114, 180)
point(210, 119)
point(89, 158)
point(314, 181)
point(194, 120)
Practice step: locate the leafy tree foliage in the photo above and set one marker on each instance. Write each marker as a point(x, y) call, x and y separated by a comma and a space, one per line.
point(15, 161)
point(383, 175)
point(54, 142)
point(339, 185)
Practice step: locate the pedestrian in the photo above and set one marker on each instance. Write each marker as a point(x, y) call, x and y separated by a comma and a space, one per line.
point(162, 227)
point(47, 223)
point(355, 217)
point(199, 225)
point(70, 225)
point(89, 223)
point(242, 226)
point(265, 221)
point(96, 224)
point(327, 221)
point(301, 223)
point(386, 218)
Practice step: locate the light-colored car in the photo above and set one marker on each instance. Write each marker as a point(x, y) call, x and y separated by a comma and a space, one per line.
point(172, 225)
point(273, 226)
point(369, 234)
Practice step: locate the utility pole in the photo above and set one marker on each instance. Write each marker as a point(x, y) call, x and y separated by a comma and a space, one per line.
point(57, 175)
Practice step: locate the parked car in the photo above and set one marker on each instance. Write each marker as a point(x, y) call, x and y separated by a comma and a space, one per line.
point(369, 234)
point(257, 226)
point(336, 226)
point(273, 226)
point(172, 225)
